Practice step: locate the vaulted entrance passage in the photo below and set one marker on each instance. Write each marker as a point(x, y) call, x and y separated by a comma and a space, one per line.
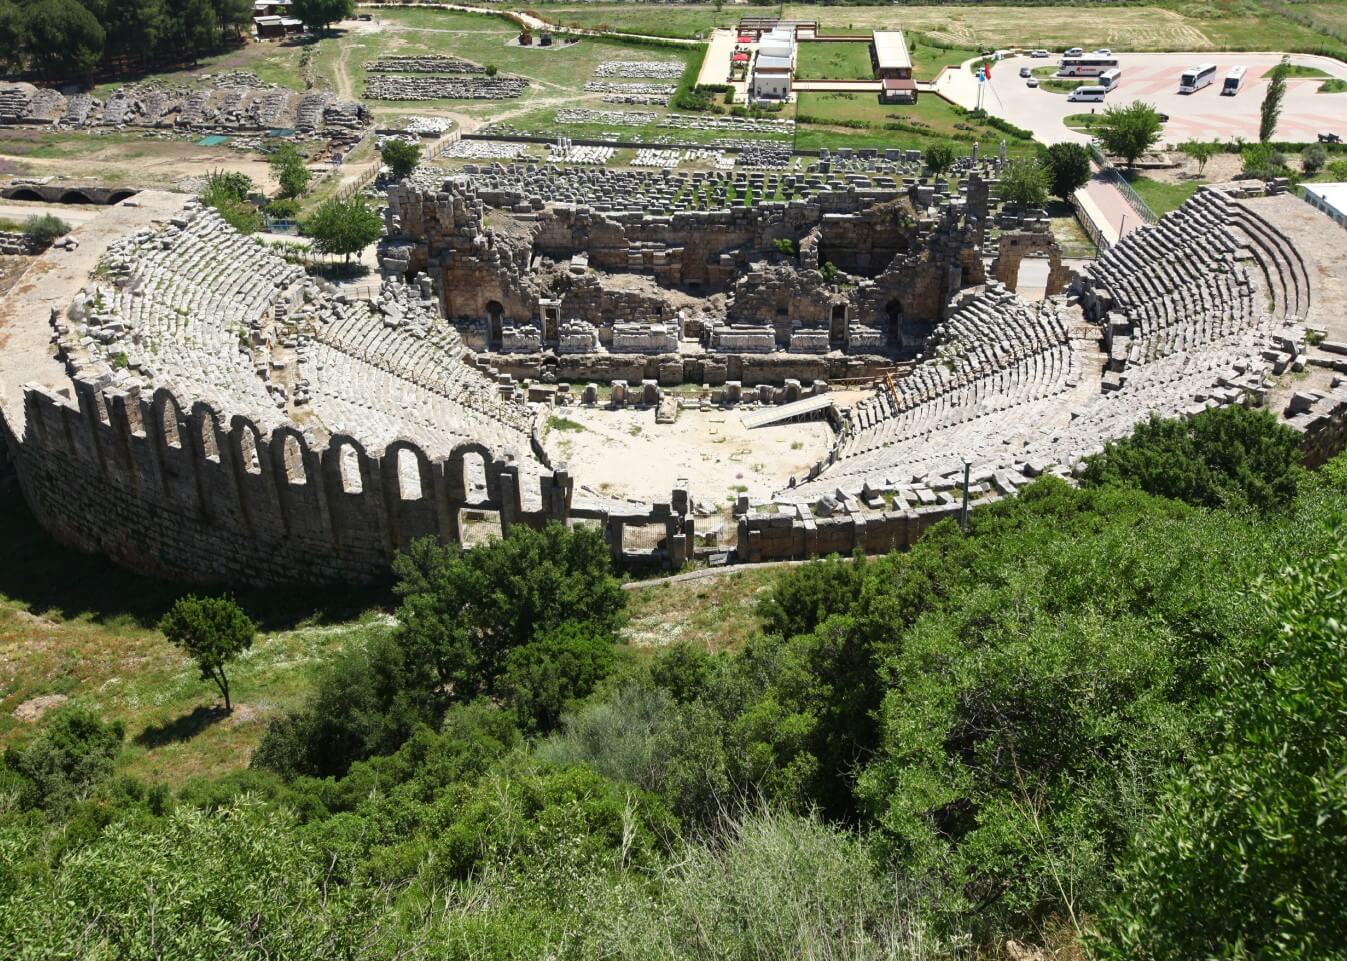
point(894, 312)
point(837, 328)
point(494, 312)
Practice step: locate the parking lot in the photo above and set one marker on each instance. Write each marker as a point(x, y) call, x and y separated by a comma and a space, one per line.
point(1154, 78)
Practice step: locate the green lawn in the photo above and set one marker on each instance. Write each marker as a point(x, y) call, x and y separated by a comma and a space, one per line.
point(1160, 196)
point(931, 118)
point(1333, 85)
point(665, 20)
point(834, 61)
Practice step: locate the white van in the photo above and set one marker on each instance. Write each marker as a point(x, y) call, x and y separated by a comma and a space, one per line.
point(1094, 93)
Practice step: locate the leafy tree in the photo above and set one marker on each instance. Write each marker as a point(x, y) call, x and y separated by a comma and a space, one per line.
point(43, 229)
point(542, 677)
point(939, 157)
point(805, 597)
point(401, 157)
point(1313, 158)
point(65, 40)
point(70, 757)
point(13, 36)
point(290, 171)
point(1130, 131)
point(320, 14)
point(1243, 858)
point(212, 631)
point(1024, 183)
point(1069, 168)
point(1224, 457)
point(343, 227)
point(365, 704)
point(1271, 109)
point(1200, 151)
point(227, 192)
point(463, 612)
point(1263, 161)
point(491, 70)
point(784, 246)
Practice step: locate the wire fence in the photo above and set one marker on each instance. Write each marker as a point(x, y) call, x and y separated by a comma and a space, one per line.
point(1111, 174)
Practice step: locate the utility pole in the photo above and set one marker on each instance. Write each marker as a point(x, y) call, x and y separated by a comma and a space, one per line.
point(963, 514)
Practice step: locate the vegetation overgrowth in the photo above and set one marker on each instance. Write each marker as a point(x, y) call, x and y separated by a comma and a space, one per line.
point(1064, 727)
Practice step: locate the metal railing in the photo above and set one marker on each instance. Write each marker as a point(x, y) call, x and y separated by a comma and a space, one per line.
point(1091, 229)
point(1110, 172)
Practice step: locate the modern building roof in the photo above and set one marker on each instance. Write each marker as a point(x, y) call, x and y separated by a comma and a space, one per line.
point(899, 83)
point(1334, 193)
point(768, 62)
point(891, 50)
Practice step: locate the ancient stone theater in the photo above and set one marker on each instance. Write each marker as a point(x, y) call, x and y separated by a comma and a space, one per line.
point(597, 347)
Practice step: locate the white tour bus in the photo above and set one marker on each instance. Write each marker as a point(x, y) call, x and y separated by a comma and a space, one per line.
point(1091, 92)
point(1195, 78)
point(1110, 78)
point(1233, 81)
point(1086, 65)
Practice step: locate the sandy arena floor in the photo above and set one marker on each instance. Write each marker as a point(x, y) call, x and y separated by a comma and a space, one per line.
point(626, 453)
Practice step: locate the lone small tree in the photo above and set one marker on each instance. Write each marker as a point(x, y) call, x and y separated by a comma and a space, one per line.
point(1068, 168)
point(287, 166)
point(1200, 151)
point(1271, 110)
point(212, 631)
point(1024, 183)
point(343, 227)
point(401, 156)
point(939, 157)
point(1130, 131)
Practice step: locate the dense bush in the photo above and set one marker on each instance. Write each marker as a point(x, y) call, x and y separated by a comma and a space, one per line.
point(42, 230)
point(1227, 457)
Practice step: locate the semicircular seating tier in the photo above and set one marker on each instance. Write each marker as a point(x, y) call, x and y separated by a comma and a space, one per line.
point(211, 314)
point(1195, 311)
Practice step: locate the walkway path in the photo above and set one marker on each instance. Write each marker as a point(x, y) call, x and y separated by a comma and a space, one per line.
point(1105, 204)
point(535, 23)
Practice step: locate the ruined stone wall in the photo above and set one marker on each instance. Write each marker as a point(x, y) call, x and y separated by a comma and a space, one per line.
point(779, 537)
point(182, 494)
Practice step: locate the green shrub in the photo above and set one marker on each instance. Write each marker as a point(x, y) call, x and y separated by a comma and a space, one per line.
point(41, 230)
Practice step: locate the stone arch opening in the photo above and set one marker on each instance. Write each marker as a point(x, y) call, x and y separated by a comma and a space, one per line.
point(348, 469)
point(170, 424)
point(474, 477)
point(24, 193)
point(893, 312)
point(837, 326)
point(292, 456)
point(495, 312)
point(210, 446)
point(75, 197)
point(247, 444)
point(410, 477)
point(117, 196)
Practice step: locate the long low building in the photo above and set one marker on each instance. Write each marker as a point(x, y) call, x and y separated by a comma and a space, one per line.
point(893, 67)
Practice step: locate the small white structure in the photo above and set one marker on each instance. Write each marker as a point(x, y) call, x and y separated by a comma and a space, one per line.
point(774, 65)
point(893, 67)
point(1329, 198)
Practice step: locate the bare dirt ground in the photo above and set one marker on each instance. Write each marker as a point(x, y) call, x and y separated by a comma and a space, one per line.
point(638, 458)
point(11, 268)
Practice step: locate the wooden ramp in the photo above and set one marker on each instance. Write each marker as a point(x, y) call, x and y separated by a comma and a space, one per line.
point(796, 410)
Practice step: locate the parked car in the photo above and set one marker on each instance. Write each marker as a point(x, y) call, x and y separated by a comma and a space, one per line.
point(1104, 52)
point(1074, 52)
point(1164, 117)
point(1026, 72)
point(1329, 138)
point(1031, 82)
point(1040, 54)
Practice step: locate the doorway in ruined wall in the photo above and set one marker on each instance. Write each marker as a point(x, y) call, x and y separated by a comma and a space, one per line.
point(837, 329)
point(894, 311)
point(495, 311)
point(551, 323)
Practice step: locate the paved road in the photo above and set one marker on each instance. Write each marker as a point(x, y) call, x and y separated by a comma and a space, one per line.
point(1153, 77)
point(73, 214)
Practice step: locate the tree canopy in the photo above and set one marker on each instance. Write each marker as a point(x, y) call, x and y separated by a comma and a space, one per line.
point(343, 227)
point(1270, 110)
point(1024, 183)
point(401, 157)
point(212, 631)
point(1129, 131)
point(1069, 169)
